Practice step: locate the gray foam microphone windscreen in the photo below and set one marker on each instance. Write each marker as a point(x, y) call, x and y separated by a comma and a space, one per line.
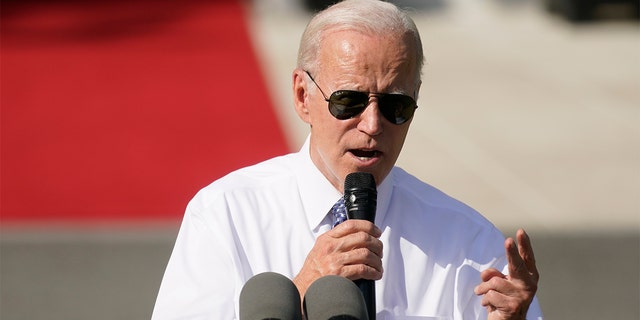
point(333, 298)
point(270, 295)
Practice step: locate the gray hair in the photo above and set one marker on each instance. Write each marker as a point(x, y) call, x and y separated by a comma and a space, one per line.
point(372, 16)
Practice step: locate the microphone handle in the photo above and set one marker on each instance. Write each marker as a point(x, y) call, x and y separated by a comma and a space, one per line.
point(368, 289)
point(361, 197)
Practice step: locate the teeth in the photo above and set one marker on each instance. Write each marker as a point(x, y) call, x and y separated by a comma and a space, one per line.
point(364, 154)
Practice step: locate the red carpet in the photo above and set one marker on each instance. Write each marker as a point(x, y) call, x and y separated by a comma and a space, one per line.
point(118, 110)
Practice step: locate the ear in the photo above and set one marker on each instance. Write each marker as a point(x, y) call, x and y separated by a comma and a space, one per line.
point(300, 95)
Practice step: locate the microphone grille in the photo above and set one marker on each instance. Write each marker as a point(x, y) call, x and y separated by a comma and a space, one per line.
point(359, 180)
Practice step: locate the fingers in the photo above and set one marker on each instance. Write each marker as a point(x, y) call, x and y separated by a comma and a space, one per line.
point(525, 250)
point(510, 308)
point(351, 249)
point(510, 296)
point(490, 281)
point(502, 296)
point(491, 273)
point(361, 264)
point(517, 268)
point(353, 226)
point(522, 264)
point(356, 234)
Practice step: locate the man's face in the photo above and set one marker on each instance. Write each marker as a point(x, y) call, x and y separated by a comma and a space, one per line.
point(368, 142)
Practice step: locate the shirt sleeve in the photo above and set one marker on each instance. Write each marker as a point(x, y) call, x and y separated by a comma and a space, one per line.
point(534, 313)
point(201, 278)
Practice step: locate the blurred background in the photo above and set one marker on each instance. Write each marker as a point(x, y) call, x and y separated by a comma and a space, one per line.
point(114, 113)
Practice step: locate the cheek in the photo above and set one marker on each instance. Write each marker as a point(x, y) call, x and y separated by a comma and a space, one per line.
point(325, 125)
point(398, 141)
point(331, 136)
point(316, 115)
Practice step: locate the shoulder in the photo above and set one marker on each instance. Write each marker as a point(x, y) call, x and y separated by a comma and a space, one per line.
point(414, 189)
point(267, 176)
point(426, 215)
point(438, 207)
point(265, 172)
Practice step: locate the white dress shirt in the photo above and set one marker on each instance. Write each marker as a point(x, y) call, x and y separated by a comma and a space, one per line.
point(267, 217)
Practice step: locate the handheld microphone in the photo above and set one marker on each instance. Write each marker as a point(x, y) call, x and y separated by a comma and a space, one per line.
point(334, 298)
point(360, 199)
point(270, 296)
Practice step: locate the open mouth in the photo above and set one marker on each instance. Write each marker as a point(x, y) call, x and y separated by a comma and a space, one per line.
point(365, 154)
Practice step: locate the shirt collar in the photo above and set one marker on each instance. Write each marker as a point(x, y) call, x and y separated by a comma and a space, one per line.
point(385, 189)
point(318, 195)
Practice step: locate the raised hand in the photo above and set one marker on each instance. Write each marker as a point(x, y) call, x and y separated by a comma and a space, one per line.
point(509, 296)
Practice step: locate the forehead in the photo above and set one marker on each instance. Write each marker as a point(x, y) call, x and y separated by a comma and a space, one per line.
point(358, 60)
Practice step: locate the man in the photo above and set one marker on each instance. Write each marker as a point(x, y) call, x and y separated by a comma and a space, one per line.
point(357, 80)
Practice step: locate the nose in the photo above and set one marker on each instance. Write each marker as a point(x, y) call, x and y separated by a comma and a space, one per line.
point(371, 119)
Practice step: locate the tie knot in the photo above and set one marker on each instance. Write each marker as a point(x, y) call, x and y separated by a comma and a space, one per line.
point(339, 212)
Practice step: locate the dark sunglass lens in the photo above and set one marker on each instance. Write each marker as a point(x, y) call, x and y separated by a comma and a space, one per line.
point(397, 108)
point(345, 104)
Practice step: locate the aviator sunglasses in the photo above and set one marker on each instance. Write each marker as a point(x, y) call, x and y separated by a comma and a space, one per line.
point(346, 104)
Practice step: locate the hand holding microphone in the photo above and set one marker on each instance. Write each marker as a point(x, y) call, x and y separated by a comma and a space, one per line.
point(351, 249)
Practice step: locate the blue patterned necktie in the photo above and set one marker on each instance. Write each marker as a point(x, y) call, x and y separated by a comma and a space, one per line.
point(339, 212)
